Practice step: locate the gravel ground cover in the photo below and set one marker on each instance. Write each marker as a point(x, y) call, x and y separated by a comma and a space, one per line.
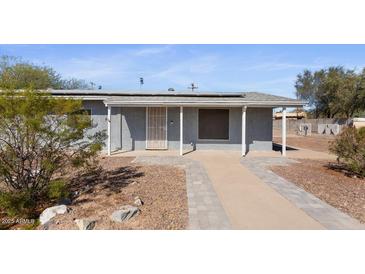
point(329, 183)
point(316, 143)
point(161, 188)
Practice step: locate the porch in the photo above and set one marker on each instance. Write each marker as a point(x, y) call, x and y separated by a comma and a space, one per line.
point(179, 130)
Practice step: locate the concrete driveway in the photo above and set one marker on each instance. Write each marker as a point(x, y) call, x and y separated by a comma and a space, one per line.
point(247, 200)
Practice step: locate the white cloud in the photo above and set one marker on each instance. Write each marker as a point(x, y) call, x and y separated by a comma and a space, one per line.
point(150, 51)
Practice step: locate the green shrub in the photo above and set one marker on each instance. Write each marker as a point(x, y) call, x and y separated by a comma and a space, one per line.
point(349, 147)
point(58, 189)
point(17, 203)
point(41, 136)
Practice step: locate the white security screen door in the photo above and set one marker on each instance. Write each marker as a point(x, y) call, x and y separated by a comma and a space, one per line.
point(156, 128)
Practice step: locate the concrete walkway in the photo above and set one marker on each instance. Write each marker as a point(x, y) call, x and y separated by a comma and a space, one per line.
point(227, 191)
point(247, 200)
point(327, 215)
point(205, 208)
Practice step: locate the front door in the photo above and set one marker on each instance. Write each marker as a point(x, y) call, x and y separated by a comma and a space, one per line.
point(156, 133)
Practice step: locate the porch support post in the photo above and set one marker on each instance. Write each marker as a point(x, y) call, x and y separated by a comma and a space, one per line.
point(243, 150)
point(121, 129)
point(283, 132)
point(181, 130)
point(109, 129)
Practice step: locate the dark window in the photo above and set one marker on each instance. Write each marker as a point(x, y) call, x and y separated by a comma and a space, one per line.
point(214, 124)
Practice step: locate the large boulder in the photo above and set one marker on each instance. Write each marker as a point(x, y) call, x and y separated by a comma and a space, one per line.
point(84, 224)
point(124, 213)
point(51, 212)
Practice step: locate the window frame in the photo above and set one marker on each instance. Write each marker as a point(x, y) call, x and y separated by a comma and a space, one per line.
point(214, 140)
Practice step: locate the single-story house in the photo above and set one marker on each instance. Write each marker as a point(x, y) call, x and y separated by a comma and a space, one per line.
point(183, 120)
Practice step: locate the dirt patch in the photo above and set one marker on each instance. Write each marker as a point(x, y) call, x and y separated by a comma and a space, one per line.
point(332, 186)
point(316, 143)
point(162, 189)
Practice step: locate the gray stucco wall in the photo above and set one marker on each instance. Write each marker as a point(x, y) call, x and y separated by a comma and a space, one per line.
point(259, 128)
point(98, 116)
point(128, 130)
point(133, 128)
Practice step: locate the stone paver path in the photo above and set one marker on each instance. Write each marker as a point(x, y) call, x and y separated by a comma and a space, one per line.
point(328, 216)
point(205, 209)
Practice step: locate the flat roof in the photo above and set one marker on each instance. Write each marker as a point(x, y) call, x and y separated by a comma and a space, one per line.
point(147, 93)
point(115, 97)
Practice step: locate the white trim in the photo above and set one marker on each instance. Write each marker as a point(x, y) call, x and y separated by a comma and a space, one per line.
point(109, 129)
point(181, 130)
point(283, 133)
point(208, 103)
point(214, 140)
point(243, 149)
point(107, 100)
point(80, 97)
point(121, 128)
point(167, 128)
point(146, 127)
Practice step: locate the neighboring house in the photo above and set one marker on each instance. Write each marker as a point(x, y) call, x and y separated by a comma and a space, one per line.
point(183, 120)
point(295, 115)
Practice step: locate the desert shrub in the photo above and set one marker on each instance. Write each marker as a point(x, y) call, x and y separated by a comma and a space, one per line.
point(58, 189)
point(349, 147)
point(17, 203)
point(41, 136)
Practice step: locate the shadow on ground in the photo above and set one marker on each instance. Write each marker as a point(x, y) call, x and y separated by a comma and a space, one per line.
point(278, 147)
point(113, 181)
point(341, 168)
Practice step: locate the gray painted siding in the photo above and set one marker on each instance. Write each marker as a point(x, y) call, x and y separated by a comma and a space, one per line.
point(133, 128)
point(116, 129)
point(173, 128)
point(128, 130)
point(98, 116)
point(259, 128)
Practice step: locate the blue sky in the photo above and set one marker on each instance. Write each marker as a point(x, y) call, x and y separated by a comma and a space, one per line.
point(265, 68)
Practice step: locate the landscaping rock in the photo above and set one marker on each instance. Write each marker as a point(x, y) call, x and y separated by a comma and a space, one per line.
point(124, 213)
point(138, 201)
point(85, 224)
point(51, 212)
